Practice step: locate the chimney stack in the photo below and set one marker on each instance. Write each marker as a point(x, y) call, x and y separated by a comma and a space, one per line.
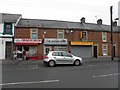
point(115, 23)
point(99, 21)
point(82, 20)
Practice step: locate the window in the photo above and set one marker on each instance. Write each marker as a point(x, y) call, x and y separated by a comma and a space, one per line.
point(7, 28)
point(60, 34)
point(84, 35)
point(31, 51)
point(104, 49)
point(104, 36)
point(34, 33)
point(66, 54)
point(57, 54)
point(60, 48)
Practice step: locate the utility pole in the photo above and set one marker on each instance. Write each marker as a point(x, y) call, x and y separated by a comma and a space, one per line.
point(112, 56)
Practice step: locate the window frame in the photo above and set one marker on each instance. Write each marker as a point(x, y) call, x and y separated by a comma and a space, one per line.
point(5, 28)
point(105, 50)
point(85, 36)
point(33, 31)
point(104, 36)
point(60, 32)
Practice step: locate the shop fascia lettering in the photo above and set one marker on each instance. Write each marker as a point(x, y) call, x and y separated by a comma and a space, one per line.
point(56, 41)
point(28, 40)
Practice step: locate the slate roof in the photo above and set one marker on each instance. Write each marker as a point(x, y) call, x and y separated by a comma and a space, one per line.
point(41, 23)
point(4, 17)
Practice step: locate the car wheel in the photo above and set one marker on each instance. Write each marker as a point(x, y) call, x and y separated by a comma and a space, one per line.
point(77, 63)
point(51, 63)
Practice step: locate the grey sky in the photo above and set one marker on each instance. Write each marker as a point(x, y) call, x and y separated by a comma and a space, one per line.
point(67, 10)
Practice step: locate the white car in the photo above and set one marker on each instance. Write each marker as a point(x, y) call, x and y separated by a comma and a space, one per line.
point(61, 57)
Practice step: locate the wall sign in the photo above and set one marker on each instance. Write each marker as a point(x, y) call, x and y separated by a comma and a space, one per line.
point(28, 41)
point(55, 41)
point(81, 43)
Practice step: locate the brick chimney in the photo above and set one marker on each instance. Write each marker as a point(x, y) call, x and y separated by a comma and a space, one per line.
point(115, 23)
point(82, 20)
point(99, 21)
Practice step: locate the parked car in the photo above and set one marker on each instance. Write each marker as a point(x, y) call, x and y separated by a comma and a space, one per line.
point(61, 57)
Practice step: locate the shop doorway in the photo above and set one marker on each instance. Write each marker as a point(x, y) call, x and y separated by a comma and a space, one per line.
point(113, 51)
point(95, 52)
point(19, 52)
point(8, 50)
point(47, 49)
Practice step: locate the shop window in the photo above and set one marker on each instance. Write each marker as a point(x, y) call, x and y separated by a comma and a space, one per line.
point(34, 33)
point(19, 48)
point(104, 49)
point(60, 48)
point(32, 51)
point(7, 28)
point(60, 34)
point(104, 36)
point(26, 48)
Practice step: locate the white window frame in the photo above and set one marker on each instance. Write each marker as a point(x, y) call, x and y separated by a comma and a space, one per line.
point(105, 50)
point(60, 32)
point(104, 36)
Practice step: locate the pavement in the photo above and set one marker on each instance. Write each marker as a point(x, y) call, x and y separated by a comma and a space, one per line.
point(33, 62)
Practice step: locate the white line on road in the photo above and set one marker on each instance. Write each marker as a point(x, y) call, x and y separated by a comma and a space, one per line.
point(106, 75)
point(15, 83)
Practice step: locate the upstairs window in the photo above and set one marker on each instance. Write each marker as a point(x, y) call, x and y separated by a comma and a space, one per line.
point(84, 36)
point(104, 36)
point(34, 33)
point(60, 34)
point(7, 28)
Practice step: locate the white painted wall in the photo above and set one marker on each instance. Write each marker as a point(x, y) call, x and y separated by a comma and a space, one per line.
point(2, 48)
point(3, 41)
point(1, 29)
point(119, 13)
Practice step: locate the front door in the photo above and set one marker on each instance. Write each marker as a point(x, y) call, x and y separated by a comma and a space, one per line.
point(113, 51)
point(95, 51)
point(58, 57)
point(8, 50)
point(68, 59)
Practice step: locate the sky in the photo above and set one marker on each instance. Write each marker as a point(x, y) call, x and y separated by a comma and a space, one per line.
point(65, 10)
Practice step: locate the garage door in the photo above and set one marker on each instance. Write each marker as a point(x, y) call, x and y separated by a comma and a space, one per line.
point(82, 51)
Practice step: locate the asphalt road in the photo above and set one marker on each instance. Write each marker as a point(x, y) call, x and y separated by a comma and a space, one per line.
point(89, 75)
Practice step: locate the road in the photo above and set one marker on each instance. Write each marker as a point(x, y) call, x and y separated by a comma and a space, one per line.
point(89, 75)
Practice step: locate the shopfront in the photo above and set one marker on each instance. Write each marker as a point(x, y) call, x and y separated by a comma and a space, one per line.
point(27, 45)
point(54, 44)
point(82, 49)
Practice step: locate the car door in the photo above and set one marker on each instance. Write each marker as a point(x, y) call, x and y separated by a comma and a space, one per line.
point(68, 58)
point(58, 57)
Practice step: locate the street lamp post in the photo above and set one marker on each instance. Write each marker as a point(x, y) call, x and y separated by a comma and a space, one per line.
point(112, 57)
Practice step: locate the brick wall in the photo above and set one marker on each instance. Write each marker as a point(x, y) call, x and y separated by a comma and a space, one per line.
point(72, 36)
point(22, 33)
